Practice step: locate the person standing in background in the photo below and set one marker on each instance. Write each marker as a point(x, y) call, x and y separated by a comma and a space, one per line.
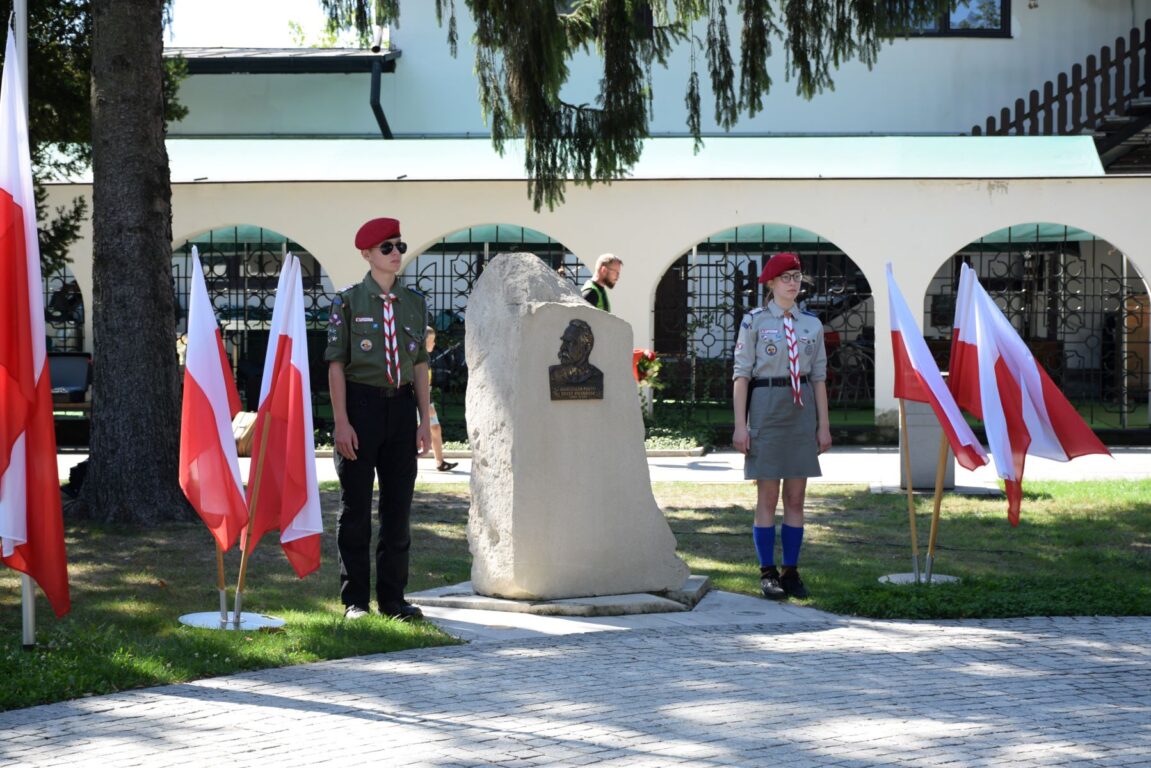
point(594, 291)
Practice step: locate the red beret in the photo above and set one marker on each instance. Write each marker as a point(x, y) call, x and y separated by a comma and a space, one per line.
point(377, 231)
point(777, 265)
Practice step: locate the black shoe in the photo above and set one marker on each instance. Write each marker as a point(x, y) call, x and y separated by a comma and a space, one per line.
point(791, 583)
point(353, 612)
point(447, 466)
point(769, 583)
point(403, 612)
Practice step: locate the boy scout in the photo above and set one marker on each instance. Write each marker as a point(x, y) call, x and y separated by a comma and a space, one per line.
point(378, 377)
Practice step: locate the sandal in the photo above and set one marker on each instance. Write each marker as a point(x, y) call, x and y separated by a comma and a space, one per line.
point(447, 466)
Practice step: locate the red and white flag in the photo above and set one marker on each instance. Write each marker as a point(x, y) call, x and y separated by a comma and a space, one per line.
point(917, 378)
point(995, 377)
point(282, 479)
point(31, 520)
point(209, 464)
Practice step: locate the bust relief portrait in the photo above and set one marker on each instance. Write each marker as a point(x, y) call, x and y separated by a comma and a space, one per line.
point(575, 378)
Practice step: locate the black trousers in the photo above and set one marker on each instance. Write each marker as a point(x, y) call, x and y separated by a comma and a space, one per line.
point(386, 428)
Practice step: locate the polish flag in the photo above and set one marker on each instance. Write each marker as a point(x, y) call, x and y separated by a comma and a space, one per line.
point(282, 478)
point(31, 520)
point(995, 377)
point(209, 465)
point(917, 378)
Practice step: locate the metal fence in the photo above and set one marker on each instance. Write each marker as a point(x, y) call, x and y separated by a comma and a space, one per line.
point(242, 268)
point(703, 297)
point(1078, 303)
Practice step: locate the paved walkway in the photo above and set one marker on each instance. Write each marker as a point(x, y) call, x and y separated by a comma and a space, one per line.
point(782, 687)
point(737, 682)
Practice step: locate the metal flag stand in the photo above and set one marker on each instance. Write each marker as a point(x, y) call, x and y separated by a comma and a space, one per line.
point(223, 619)
point(914, 577)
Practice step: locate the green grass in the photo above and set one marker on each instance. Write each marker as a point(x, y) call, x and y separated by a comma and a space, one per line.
point(1081, 549)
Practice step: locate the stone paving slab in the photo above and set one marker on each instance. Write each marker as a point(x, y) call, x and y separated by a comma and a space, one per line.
point(844, 692)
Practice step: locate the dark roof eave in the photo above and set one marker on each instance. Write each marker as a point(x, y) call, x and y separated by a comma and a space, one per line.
point(284, 62)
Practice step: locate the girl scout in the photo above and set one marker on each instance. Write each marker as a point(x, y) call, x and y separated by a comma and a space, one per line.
point(780, 403)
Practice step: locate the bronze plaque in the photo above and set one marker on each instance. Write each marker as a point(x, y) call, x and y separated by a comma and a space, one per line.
point(575, 378)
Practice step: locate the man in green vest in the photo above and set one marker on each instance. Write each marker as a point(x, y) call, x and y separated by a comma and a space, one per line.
point(378, 377)
point(595, 290)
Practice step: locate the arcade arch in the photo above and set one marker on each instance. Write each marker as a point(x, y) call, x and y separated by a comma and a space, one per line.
point(242, 266)
point(446, 271)
point(702, 297)
point(1078, 302)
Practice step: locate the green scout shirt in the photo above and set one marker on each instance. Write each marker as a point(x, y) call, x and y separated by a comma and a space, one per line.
point(356, 332)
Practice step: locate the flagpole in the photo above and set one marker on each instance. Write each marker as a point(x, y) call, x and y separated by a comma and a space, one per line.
point(220, 585)
point(248, 544)
point(906, 451)
point(940, 471)
point(20, 29)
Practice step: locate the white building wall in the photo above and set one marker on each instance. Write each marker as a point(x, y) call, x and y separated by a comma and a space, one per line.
point(926, 85)
point(913, 223)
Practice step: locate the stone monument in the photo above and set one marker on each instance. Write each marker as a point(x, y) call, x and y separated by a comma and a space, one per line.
point(561, 497)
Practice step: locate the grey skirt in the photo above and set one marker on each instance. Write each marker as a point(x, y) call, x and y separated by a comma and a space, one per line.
point(782, 436)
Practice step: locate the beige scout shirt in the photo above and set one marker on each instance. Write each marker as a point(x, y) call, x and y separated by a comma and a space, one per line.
point(356, 332)
point(761, 348)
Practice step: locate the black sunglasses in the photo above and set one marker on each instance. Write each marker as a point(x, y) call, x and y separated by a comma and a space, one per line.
point(386, 248)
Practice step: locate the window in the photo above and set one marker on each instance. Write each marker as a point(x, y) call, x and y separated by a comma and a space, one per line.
point(973, 18)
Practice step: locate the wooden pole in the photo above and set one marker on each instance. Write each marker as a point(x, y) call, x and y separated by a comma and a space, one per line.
point(220, 585)
point(940, 471)
point(906, 451)
point(249, 543)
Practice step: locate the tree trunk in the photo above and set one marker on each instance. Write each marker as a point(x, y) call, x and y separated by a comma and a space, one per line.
point(133, 475)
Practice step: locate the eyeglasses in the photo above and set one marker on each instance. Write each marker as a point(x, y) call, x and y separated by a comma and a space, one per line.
point(386, 248)
point(788, 277)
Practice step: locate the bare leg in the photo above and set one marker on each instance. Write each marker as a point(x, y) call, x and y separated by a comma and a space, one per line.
point(794, 492)
point(438, 444)
point(767, 498)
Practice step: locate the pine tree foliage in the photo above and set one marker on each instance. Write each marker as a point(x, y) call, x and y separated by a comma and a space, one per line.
point(523, 49)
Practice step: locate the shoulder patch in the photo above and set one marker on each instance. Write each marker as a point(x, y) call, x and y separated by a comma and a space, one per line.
point(754, 311)
point(809, 314)
point(410, 289)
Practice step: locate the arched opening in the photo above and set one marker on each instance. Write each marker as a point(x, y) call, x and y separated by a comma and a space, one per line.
point(242, 267)
point(63, 312)
point(701, 300)
point(1079, 304)
point(445, 273)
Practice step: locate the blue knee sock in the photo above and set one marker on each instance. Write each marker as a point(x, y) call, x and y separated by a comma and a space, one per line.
point(764, 544)
point(791, 538)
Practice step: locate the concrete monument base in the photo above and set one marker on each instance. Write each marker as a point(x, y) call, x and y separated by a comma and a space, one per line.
point(464, 596)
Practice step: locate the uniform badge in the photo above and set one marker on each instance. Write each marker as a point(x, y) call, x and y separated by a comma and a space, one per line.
point(334, 320)
point(765, 334)
point(411, 347)
point(772, 349)
point(366, 345)
point(745, 324)
point(363, 319)
point(738, 346)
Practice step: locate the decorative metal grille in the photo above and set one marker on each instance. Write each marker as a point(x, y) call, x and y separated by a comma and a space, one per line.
point(1077, 302)
point(63, 312)
point(242, 267)
point(703, 296)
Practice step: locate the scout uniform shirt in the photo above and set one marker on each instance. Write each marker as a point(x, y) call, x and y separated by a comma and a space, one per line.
point(356, 332)
point(761, 347)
